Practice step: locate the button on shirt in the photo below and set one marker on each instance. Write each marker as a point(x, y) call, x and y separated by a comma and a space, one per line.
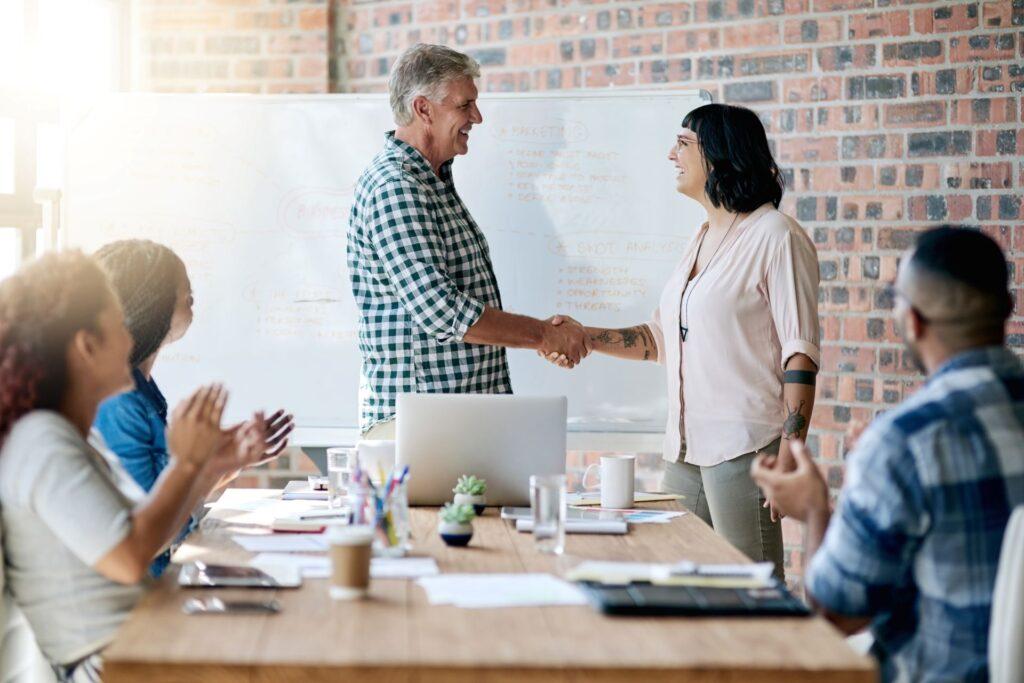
point(754, 307)
point(916, 538)
point(421, 276)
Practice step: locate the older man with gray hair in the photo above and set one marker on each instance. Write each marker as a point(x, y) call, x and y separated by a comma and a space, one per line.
point(430, 311)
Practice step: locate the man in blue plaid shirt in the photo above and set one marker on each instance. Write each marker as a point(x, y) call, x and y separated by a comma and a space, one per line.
point(430, 310)
point(913, 547)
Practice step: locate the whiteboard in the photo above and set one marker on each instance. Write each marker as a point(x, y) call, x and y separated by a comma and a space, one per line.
point(573, 191)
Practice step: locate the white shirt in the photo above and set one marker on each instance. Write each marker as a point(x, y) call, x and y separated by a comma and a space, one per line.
point(755, 306)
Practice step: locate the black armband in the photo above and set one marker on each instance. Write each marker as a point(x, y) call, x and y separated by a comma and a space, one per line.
point(800, 377)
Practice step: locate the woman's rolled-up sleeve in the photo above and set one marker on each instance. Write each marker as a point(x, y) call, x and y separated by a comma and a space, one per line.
point(654, 325)
point(792, 283)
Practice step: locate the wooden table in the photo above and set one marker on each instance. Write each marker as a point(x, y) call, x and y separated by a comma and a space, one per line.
point(396, 635)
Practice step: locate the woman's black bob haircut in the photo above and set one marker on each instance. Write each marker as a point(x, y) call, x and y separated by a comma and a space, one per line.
point(742, 175)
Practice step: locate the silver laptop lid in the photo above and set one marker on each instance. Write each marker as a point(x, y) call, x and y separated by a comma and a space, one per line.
point(498, 437)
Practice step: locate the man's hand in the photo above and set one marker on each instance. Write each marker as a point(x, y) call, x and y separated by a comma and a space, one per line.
point(565, 342)
point(799, 493)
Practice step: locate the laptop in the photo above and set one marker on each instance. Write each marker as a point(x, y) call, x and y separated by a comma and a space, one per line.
point(498, 437)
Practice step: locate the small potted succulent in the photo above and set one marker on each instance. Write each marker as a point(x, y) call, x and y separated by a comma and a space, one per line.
point(456, 524)
point(470, 491)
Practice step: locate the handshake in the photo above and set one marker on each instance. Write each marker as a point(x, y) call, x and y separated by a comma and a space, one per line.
point(565, 342)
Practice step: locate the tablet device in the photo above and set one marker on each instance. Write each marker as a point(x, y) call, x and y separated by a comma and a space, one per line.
point(517, 513)
point(203, 575)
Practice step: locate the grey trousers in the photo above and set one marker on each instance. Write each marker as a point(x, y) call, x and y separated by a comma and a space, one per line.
point(727, 499)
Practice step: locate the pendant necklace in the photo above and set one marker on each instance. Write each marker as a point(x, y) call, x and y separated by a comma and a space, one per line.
point(684, 325)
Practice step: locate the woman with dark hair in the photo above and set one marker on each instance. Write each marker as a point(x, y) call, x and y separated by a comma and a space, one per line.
point(156, 295)
point(78, 532)
point(736, 329)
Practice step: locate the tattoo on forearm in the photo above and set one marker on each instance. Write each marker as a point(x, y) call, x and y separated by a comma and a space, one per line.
point(795, 422)
point(628, 338)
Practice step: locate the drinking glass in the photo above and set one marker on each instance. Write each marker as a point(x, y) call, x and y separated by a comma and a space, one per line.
point(340, 462)
point(547, 504)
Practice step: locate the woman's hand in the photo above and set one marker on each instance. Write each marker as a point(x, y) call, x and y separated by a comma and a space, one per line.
point(277, 427)
point(194, 434)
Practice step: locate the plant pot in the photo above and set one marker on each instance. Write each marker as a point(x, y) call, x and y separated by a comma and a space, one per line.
point(455, 534)
point(478, 502)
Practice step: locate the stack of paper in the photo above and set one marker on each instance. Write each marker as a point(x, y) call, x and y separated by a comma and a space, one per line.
point(582, 526)
point(476, 591)
point(590, 498)
point(282, 543)
point(319, 566)
point(652, 516)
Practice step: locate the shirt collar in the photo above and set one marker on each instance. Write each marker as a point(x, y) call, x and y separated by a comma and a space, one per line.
point(147, 388)
point(415, 162)
point(972, 358)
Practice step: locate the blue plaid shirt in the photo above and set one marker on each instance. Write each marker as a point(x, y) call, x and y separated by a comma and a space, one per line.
point(915, 542)
point(421, 275)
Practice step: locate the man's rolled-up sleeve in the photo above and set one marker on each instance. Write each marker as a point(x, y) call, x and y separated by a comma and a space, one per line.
point(407, 239)
point(867, 556)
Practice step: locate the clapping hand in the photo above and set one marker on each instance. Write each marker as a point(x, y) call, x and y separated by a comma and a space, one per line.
point(253, 442)
point(568, 357)
point(194, 434)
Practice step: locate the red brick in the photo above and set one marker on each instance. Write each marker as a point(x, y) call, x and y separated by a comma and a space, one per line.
point(834, 5)
point(984, 110)
point(874, 207)
point(609, 74)
point(263, 68)
point(813, 148)
point(663, 14)
point(1002, 13)
point(694, 40)
point(879, 25)
point(558, 25)
point(878, 146)
point(176, 19)
point(994, 78)
point(947, 18)
point(445, 10)
point(1007, 142)
point(913, 53)
point(975, 175)
point(744, 36)
point(982, 47)
point(557, 78)
point(313, 18)
point(958, 81)
point(297, 43)
point(823, 30)
point(512, 81)
point(533, 54)
point(915, 114)
point(848, 117)
point(393, 15)
point(836, 178)
point(283, 18)
point(637, 45)
point(789, 121)
point(812, 89)
point(673, 70)
point(313, 67)
point(473, 8)
point(949, 208)
point(846, 57)
point(770, 63)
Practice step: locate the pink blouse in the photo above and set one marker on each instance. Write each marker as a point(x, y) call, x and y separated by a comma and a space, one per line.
point(755, 307)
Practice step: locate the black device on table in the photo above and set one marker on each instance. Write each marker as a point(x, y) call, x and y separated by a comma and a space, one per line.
point(647, 599)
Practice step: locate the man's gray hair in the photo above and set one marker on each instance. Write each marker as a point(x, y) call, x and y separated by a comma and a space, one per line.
point(426, 70)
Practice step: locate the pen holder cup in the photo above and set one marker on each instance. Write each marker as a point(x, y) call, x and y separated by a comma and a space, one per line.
point(387, 511)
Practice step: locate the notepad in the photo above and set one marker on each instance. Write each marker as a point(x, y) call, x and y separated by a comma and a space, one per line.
point(282, 543)
point(638, 497)
point(319, 566)
point(479, 591)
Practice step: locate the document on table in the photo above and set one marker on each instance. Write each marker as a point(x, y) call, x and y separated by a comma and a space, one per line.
point(319, 566)
point(478, 591)
point(282, 543)
point(651, 516)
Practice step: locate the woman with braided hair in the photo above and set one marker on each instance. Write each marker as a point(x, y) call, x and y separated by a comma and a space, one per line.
point(78, 533)
point(156, 295)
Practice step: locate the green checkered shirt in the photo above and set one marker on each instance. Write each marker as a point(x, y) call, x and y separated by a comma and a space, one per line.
point(421, 275)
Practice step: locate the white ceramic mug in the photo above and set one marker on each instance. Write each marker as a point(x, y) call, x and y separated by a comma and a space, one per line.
point(616, 480)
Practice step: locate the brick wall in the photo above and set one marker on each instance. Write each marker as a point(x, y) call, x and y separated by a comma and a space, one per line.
point(887, 115)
